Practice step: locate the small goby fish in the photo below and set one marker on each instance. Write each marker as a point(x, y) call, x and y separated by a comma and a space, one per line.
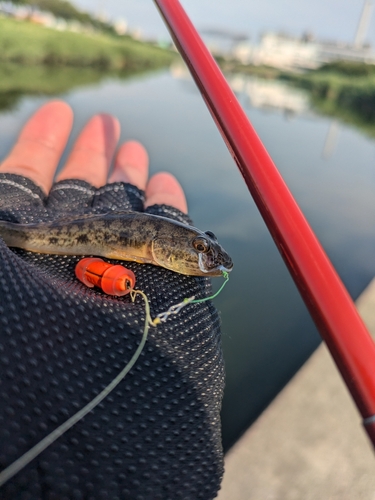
point(130, 236)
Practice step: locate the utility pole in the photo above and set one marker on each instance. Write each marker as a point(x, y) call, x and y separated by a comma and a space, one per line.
point(363, 24)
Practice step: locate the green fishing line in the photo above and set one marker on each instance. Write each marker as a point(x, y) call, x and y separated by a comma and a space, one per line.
point(176, 308)
point(226, 276)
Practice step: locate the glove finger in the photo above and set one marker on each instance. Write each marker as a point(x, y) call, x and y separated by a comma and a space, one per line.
point(118, 196)
point(72, 196)
point(20, 199)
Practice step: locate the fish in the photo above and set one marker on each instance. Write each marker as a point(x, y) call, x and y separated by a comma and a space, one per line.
point(129, 236)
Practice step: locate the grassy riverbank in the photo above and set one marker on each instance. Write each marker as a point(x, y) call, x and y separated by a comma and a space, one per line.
point(26, 43)
point(35, 60)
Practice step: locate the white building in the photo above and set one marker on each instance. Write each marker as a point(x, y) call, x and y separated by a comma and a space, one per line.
point(286, 52)
point(281, 51)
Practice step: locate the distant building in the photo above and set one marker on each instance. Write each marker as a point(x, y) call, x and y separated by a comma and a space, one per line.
point(279, 51)
point(287, 52)
point(120, 26)
point(283, 51)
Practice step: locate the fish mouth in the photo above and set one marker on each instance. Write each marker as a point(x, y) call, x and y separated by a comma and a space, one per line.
point(212, 266)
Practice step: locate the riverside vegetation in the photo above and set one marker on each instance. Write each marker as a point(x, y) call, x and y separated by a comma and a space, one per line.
point(38, 60)
point(26, 43)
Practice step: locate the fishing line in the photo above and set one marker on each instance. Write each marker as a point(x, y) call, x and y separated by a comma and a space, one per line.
point(162, 317)
point(226, 277)
point(27, 457)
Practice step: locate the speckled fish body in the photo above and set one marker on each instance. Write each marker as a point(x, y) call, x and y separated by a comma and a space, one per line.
point(129, 236)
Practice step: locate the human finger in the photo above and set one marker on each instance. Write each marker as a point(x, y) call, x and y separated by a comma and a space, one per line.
point(163, 188)
point(40, 144)
point(131, 165)
point(93, 151)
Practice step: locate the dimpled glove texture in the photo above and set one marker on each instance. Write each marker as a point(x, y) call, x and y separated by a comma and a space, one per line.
point(157, 435)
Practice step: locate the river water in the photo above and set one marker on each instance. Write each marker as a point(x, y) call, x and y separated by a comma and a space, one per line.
point(329, 167)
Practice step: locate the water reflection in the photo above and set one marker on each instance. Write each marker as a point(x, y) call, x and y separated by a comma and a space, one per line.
point(267, 333)
point(258, 92)
point(270, 94)
point(18, 80)
point(331, 139)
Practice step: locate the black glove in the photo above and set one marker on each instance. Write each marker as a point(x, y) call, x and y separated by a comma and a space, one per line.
point(157, 435)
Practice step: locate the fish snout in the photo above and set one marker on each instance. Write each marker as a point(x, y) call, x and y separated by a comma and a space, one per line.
point(224, 261)
point(227, 263)
point(215, 262)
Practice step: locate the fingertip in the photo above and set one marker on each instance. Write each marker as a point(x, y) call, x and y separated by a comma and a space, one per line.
point(52, 114)
point(93, 151)
point(40, 144)
point(51, 118)
point(164, 189)
point(58, 106)
point(131, 165)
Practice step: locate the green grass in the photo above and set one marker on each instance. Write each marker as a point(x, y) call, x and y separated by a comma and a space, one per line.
point(349, 68)
point(40, 61)
point(29, 44)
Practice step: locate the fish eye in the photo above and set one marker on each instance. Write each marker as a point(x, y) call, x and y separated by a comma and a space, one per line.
point(201, 245)
point(211, 235)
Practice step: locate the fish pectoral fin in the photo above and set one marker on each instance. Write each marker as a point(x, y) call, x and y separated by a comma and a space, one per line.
point(162, 252)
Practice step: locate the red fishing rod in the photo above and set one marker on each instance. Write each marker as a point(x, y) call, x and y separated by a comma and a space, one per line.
point(321, 288)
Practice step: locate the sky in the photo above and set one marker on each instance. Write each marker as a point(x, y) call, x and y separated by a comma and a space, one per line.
point(326, 19)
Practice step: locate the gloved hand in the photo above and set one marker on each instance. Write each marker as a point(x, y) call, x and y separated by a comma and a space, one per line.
point(157, 435)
